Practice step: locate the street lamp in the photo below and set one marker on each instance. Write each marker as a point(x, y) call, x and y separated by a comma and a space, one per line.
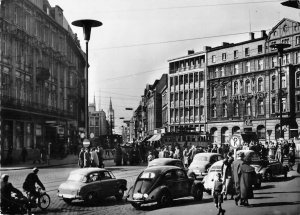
point(280, 47)
point(292, 3)
point(87, 25)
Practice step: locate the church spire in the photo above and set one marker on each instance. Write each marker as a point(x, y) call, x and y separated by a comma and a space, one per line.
point(110, 104)
point(94, 100)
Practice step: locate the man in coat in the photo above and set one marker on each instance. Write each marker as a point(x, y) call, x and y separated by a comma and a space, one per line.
point(236, 172)
point(247, 179)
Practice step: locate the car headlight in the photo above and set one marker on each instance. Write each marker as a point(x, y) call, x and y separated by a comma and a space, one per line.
point(145, 195)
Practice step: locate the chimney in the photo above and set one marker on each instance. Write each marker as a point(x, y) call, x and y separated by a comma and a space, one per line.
point(206, 48)
point(225, 44)
point(191, 52)
point(263, 33)
point(251, 35)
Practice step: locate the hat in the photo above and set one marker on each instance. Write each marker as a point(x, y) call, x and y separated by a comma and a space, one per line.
point(35, 169)
point(241, 154)
point(4, 176)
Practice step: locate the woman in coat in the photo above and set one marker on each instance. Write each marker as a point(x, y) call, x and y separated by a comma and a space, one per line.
point(248, 177)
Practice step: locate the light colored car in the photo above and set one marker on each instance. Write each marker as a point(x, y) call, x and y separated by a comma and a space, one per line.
point(201, 163)
point(208, 180)
point(90, 185)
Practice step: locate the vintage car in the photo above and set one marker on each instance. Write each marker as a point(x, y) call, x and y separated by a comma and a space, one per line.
point(266, 168)
point(201, 163)
point(90, 185)
point(166, 162)
point(217, 168)
point(162, 184)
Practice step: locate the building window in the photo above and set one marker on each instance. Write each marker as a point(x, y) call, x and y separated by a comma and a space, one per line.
point(247, 52)
point(261, 132)
point(297, 40)
point(216, 73)
point(274, 62)
point(223, 56)
point(236, 109)
point(259, 49)
point(235, 54)
point(283, 104)
point(222, 71)
point(260, 64)
point(286, 40)
point(224, 110)
point(273, 84)
point(214, 111)
point(297, 57)
point(272, 43)
point(283, 80)
point(298, 79)
point(248, 86)
point(213, 91)
point(248, 108)
point(235, 88)
point(260, 85)
point(248, 66)
point(273, 108)
point(236, 69)
point(225, 90)
point(261, 107)
point(286, 59)
point(213, 59)
point(298, 103)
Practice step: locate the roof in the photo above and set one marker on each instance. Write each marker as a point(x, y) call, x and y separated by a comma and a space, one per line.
point(85, 171)
point(207, 154)
point(163, 161)
point(160, 169)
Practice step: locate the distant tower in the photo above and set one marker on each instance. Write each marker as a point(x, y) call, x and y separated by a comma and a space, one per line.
point(111, 117)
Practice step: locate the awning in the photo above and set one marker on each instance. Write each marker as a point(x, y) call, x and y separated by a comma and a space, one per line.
point(249, 136)
point(157, 137)
point(152, 138)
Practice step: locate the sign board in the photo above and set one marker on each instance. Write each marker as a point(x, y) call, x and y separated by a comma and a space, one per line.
point(235, 141)
point(86, 143)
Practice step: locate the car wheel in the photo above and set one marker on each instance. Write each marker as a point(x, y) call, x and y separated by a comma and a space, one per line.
point(193, 176)
point(91, 198)
point(120, 194)
point(164, 200)
point(268, 176)
point(136, 206)
point(198, 194)
point(68, 201)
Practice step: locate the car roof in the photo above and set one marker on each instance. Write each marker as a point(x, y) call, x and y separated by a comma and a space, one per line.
point(85, 171)
point(163, 160)
point(206, 154)
point(160, 169)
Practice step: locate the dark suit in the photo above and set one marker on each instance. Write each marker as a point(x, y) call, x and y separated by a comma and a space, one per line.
point(236, 172)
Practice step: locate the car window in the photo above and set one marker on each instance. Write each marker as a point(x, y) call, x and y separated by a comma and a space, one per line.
point(93, 177)
point(179, 164)
point(171, 175)
point(202, 158)
point(180, 174)
point(147, 175)
point(76, 177)
point(104, 175)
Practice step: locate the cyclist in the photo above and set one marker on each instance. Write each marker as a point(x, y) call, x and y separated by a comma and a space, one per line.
point(29, 184)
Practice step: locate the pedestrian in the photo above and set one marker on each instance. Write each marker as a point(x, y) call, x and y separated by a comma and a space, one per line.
point(278, 154)
point(36, 155)
point(87, 158)
point(217, 192)
point(150, 157)
point(24, 154)
point(291, 157)
point(227, 176)
point(100, 153)
point(247, 180)
point(94, 158)
point(236, 172)
point(186, 157)
point(166, 153)
point(81, 158)
point(192, 153)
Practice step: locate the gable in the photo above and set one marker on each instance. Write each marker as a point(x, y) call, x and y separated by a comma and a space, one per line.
point(284, 28)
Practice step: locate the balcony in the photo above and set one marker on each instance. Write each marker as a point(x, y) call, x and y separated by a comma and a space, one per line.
point(191, 119)
point(176, 88)
point(172, 120)
point(181, 87)
point(182, 119)
point(196, 84)
point(186, 86)
point(177, 119)
point(177, 104)
point(202, 118)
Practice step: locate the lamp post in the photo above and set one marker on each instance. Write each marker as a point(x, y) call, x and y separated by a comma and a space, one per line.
point(280, 47)
point(87, 25)
point(292, 3)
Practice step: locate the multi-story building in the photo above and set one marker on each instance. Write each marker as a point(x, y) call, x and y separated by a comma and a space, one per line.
point(187, 93)
point(97, 121)
point(41, 67)
point(243, 85)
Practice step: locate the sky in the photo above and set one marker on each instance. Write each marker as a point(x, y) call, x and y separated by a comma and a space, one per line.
point(138, 37)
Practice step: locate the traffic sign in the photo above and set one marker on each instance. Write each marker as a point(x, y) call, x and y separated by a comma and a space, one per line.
point(86, 143)
point(235, 141)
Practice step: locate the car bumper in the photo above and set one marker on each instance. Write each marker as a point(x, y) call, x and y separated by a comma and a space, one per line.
point(68, 196)
point(140, 201)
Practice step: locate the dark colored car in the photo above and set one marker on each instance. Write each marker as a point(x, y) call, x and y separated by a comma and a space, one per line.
point(265, 168)
point(90, 185)
point(166, 162)
point(201, 163)
point(162, 184)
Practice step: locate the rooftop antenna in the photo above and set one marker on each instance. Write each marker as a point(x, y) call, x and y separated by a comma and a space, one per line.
point(249, 20)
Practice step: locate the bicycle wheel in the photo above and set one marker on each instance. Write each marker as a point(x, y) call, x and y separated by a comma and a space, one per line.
point(44, 201)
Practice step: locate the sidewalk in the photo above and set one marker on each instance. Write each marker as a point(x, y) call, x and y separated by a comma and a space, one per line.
point(70, 159)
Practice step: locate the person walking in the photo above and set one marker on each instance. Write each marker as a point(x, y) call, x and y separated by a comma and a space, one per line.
point(24, 154)
point(217, 192)
point(87, 158)
point(247, 179)
point(100, 153)
point(278, 155)
point(236, 172)
point(227, 176)
point(150, 157)
point(81, 158)
point(94, 158)
point(186, 157)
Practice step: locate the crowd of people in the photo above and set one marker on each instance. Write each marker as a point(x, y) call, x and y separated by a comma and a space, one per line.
point(91, 157)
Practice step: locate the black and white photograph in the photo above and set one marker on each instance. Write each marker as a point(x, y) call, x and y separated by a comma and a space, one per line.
point(150, 107)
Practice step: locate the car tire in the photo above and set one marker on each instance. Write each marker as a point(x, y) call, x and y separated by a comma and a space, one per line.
point(136, 206)
point(68, 201)
point(198, 194)
point(268, 176)
point(91, 198)
point(164, 199)
point(120, 194)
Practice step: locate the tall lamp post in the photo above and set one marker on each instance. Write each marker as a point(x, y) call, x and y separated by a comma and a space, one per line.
point(292, 3)
point(87, 25)
point(280, 47)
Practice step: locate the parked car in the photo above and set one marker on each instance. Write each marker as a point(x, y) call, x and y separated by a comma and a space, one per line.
point(166, 162)
point(266, 168)
point(90, 185)
point(217, 168)
point(162, 184)
point(201, 163)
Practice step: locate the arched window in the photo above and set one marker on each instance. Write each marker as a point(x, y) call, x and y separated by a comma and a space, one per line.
point(214, 111)
point(213, 134)
point(235, 87)
point(260, 85)
point(236, 130)
point(224, 110)
point(261, 132)
point(248, 108)
point(224, 135)
point(247, 86)
point(261, 107)
point(225, 90)
point(236, 109)
point(273, 84)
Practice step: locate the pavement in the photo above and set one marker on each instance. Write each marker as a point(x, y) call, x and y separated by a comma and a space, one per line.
point(68, 160)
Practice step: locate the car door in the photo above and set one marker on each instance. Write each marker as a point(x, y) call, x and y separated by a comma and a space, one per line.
point(107, 183)
point(171, 181)
point(92, 183)
point(183, 184)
